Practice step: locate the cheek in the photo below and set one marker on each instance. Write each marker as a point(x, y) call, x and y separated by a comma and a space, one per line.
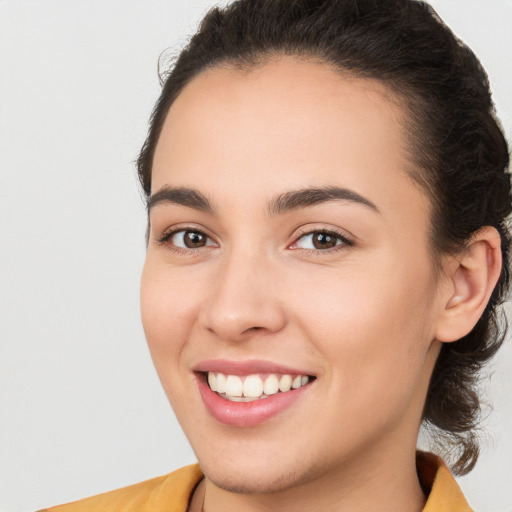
point(168, 303)
point(371, 323)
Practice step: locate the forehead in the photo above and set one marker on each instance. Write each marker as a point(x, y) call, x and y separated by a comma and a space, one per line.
point(288, 123)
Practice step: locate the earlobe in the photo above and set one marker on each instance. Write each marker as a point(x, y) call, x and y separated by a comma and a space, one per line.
point(473, 276)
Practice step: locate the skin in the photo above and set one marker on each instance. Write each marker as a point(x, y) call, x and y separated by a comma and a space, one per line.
point(364, 317)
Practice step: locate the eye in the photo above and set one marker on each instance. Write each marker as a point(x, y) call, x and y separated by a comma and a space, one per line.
point(187, 239)
point(320, 240)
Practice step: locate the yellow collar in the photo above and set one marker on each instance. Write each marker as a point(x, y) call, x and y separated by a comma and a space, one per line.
point(443, 492)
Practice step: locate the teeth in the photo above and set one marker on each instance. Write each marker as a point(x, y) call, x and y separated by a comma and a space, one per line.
point(221, 383)
point(233, 386)
point(253, 387)
point(285, 384)
point(297, 382)
point(212, 381)
point(242, 398)
point(271, 386)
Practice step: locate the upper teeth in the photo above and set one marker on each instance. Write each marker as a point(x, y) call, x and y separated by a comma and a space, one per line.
point(253, 386)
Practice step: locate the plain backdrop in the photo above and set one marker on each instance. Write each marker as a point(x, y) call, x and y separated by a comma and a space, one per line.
point(81, 408)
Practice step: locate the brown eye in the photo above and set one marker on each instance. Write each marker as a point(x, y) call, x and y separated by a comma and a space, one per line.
point(324, 240)
point(189, 239)
point(321, 240)
point(193, 239)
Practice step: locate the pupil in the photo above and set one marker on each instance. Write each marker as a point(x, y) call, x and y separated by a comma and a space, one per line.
point(324, 241)
point(194, 239)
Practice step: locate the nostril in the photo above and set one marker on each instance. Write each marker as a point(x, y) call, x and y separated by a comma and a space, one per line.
point(253, 329)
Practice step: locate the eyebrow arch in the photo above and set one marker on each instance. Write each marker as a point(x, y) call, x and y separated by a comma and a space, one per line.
point(181, 195)
point(283, 203)
point(302, 198)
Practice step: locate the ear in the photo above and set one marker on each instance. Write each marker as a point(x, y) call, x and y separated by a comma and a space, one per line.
point(471, 277)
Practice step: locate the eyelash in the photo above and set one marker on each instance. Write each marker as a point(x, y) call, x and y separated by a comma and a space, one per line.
point(165, 238)
point(344, 241)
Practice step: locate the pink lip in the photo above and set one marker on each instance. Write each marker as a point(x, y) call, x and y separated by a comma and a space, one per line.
point(246, 414)
point(246, 367)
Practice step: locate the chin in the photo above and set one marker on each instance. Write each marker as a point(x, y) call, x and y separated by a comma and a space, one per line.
point(263, 476)
point(249, 482)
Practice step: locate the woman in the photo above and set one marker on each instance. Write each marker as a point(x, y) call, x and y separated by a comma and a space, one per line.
point(327, 248)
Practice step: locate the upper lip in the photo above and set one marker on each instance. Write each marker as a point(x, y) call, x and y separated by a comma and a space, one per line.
point(231, 367)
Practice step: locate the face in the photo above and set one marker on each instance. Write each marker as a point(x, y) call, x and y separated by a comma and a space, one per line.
point(289, 243)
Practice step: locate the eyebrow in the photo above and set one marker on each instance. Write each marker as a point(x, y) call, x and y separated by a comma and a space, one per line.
point(283, 203)
point(182, 196)
point(305, 197)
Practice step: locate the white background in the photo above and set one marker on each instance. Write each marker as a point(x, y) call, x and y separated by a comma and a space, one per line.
point(81, 409)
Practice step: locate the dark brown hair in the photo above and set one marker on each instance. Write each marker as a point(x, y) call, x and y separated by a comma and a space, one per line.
point(455, 142)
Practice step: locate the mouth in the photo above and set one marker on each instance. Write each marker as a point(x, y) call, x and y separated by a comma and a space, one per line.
point(257, 386)
point(249, 393)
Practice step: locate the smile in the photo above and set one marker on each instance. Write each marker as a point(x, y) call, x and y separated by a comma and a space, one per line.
point(253, 387)
point(246, 394)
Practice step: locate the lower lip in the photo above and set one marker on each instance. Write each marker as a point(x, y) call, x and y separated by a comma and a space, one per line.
point(246, 414)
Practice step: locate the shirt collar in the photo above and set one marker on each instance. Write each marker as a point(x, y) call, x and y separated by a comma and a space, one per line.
point(443, 492)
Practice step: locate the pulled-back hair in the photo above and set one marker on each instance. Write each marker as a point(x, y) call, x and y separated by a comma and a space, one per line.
point(455, 143)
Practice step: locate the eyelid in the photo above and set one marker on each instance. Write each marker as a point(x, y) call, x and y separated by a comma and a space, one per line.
point(168, 233)
point(165, 237)
point(346, 240)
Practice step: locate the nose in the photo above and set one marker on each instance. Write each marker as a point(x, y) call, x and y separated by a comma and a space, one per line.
point(244, 299)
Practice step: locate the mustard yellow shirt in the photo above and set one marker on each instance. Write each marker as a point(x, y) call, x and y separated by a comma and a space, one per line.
point(171, 493)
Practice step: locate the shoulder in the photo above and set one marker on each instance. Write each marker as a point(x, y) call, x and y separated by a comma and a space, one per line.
point(169, 493)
